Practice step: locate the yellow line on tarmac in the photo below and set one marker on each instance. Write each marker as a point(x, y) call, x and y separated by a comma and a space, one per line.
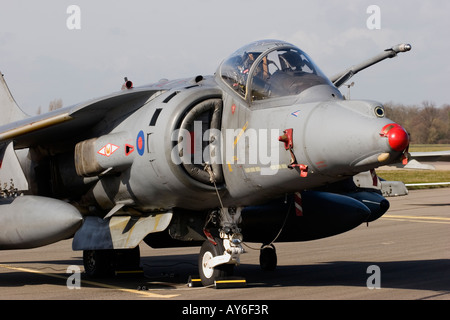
point(420, 218)
point(97, 284)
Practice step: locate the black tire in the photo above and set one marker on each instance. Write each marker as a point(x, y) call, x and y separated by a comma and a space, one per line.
point(104, 263)
point(98, 263)
point(207, 252)
point(127, 259)
point(268, 258)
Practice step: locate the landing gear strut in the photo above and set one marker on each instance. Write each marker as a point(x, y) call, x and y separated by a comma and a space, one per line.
point(219, 255)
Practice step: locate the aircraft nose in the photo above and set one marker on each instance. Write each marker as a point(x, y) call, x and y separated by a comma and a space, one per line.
point(397, 136)
point(348, 137)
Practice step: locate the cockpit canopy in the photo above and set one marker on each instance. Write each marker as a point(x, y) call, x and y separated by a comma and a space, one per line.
point(270, 69)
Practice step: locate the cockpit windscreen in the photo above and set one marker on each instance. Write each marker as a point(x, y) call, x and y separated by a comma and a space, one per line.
point(264, 70)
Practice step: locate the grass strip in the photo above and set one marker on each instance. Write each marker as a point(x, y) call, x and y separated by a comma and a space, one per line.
point(416, 176)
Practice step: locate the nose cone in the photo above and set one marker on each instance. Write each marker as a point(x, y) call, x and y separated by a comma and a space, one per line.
point(398, 138)
point(344, 138)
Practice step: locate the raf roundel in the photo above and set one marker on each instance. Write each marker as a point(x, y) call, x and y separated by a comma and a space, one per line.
point(140, 143)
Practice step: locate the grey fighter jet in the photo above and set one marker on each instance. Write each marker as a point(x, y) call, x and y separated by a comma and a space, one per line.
point(265, 150)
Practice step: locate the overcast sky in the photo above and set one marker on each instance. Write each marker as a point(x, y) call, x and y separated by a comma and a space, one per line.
point(43, 59)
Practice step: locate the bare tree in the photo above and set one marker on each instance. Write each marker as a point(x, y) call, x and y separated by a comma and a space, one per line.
point(426, 124)
point(55, 104)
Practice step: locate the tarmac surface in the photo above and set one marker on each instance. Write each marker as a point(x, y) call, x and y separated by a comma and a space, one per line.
point(405, 255)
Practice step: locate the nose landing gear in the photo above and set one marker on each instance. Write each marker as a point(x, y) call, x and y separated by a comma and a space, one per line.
point(212, 262)
point(219, 255)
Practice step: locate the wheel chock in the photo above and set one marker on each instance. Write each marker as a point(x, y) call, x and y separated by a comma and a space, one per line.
point(128, 272)
point(194, 281)
point(230, 282)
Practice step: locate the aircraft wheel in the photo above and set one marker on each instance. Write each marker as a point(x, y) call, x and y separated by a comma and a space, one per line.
point(103, 263)
point(127, 259)
point(207, 252)
point(268, 258)
point(98, 263)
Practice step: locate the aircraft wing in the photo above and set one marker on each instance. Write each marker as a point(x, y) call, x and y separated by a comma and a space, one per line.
point(421, 160)
point(63, 124)
point(431, 156)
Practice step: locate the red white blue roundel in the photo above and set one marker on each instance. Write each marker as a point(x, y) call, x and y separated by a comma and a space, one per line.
point(140, 143)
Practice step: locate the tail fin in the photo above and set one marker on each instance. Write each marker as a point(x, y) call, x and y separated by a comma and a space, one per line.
point(9, 110)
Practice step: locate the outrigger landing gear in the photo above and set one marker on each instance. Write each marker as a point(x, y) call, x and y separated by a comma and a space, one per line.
point(268, 257)
point(219, 255)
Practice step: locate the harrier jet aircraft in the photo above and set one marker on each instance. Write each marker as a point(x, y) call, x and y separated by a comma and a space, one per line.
point(265, 150)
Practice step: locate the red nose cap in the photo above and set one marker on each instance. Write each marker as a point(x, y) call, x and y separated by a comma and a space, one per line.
point(397, 136)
